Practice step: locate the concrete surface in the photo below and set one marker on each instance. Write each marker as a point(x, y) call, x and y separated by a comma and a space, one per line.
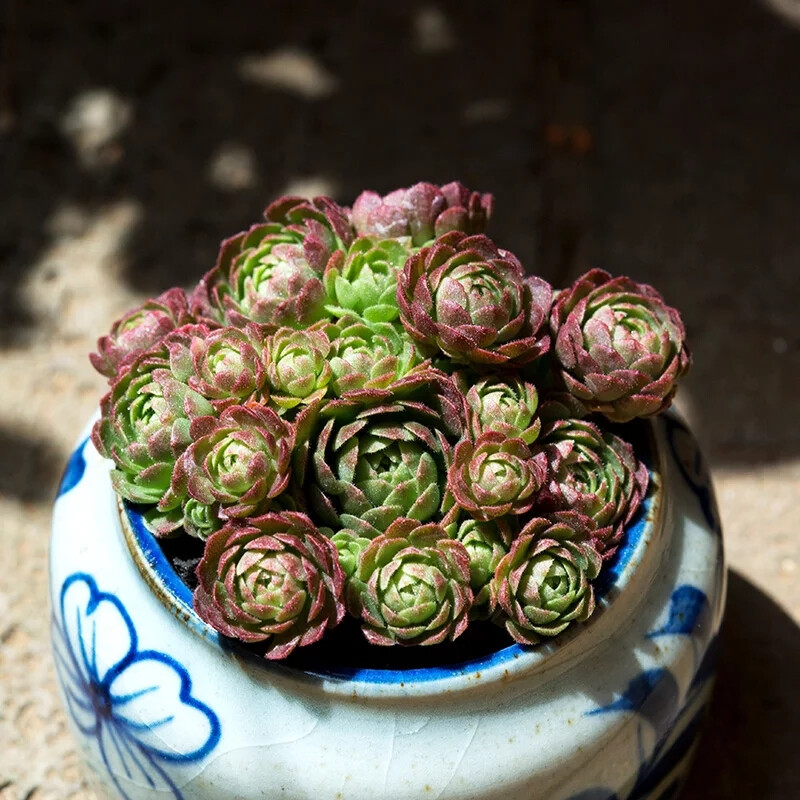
point(659, 140)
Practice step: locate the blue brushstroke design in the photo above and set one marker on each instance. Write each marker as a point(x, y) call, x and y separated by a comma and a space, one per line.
point(689, 613)
point(73, 472)
point(693, 467)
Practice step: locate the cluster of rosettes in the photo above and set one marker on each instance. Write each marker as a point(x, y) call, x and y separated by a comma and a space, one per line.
point(375, 410)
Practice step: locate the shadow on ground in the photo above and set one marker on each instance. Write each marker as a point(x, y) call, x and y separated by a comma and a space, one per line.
point(751, 740)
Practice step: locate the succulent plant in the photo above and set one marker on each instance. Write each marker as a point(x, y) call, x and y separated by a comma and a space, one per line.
point(240, 460)
point(225, 365)
point(422, 212)
point(505, 404)
point(598, 475)
point(495, 476)
point(486, 543)
point(383, 456)
point(200, 519)
point(544, 583)
point(144, 428)
point(273, 579)
point(413, 586)
point(363, 283)
point(298, 367)
point(466, 298)
point(139, 330)
point(369, 356)
point(261, 275)
point(620, 348)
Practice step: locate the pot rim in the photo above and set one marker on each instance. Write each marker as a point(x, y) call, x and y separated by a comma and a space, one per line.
point(502, 665)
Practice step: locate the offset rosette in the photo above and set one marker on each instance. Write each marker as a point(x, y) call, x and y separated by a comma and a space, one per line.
point(262, 275)
point(621, 350)
point(494, 476)
point(139, 330)
point(275, 579)
point(241, 460)
point(369, 356)
point(144, 428)
point(504, 404)
point(298, 367)
point(364, 283)
point(422, 212)
point(384, 455)
point(544, 583)
point(598, 476)
point(412, 586)
point(468, 299)
point(486, 543)
point(225, 365)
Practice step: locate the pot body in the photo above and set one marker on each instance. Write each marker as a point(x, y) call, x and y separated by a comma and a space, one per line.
point(163, 707)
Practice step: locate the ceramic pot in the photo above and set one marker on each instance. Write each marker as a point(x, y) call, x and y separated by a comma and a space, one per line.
point(162, 706)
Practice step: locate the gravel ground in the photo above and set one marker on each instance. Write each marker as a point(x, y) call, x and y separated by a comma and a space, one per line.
point(654, 139)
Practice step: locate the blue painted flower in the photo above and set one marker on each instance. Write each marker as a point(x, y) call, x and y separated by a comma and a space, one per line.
point(135, 705)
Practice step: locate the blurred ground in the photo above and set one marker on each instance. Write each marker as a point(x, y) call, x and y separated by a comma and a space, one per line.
point(660, 140)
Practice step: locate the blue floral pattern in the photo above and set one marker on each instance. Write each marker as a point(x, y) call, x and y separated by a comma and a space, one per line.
point(135, 706)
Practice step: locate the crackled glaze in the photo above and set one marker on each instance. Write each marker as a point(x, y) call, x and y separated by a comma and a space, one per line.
point(162, 707)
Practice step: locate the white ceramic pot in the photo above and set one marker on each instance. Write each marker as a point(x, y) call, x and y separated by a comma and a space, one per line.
point(163, 707)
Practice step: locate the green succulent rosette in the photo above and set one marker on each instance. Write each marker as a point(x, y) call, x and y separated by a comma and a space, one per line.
point(273, 579)
point(464, 297)
point(364, 282)
point(505, 404)
point(544, 583)
point(298, 367)
point(385, 454)
point(495, 476)
point(225, 365)
point(486, 544)
point(620, 348)
point(598, 475)
point(365, 357)
point(412, 586)
point(240, 460)
point(144, 428)
point(200, 519)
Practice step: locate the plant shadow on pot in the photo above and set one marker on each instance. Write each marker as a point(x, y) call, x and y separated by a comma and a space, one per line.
point(751, 738)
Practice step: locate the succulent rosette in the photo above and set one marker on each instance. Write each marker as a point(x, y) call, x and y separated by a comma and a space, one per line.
point(144, 428)
point(620, 348)
point(273, 579)
point(383, 455)
point(544, 583)
point(241, 460)
point(412, 586)
point(505, 404)
point(486, 543)
point(494, 476)
point(470, 300)
point(369, 356)
point(364, 282)
point(598, 475)
point(298, 367)
point(139, 330)
point(225, 365)
point(422, 212)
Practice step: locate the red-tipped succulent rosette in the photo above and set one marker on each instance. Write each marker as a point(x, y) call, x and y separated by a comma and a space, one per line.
point(464, 297)
point(494, 476)
point(620, 348)
point(543, 584)
point(273, 579)
point(411, 586)
point(139, 330)
point(240, 460)
point(422, 212)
